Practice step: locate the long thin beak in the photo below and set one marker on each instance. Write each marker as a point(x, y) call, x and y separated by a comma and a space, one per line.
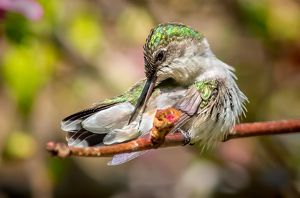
point(147, 91)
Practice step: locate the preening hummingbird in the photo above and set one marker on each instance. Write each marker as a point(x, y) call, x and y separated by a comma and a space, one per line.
point(182, 73)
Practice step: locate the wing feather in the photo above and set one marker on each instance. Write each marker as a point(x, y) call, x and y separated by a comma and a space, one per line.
point(84, 138)
point(187, 105)
point(125, 157)
point(72, 123)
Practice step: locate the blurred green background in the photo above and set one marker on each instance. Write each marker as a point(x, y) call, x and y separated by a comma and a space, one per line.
point(84, 51)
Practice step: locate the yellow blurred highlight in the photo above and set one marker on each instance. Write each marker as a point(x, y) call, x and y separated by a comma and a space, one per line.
point(283, 19)
point(85, 33)
point(26, 67)
point(134, 24)
point(20, 145)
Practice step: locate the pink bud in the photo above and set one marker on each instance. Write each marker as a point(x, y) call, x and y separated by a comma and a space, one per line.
point(29, 8)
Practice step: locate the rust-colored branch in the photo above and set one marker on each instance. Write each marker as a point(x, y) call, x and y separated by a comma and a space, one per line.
point(265, 128)
point(62, 150)
point(177, 139)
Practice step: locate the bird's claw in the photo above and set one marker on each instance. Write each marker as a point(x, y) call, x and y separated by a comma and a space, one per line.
point(187, 137)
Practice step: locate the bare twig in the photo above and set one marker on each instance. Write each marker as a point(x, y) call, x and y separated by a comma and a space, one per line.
point(62, 150)
point(177, 139)
point(265, 128)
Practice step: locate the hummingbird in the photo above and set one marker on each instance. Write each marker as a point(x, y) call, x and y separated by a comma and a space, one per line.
point(181, 72)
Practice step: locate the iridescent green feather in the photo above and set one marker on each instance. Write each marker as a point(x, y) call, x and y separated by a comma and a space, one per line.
point(206, 89)
point(165, 33)
point(132, 95)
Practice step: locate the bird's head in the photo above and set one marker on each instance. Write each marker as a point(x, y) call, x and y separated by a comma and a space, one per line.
point(173, 51)
point(169, 52)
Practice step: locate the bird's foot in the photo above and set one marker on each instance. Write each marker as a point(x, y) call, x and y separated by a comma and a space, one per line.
point(187, 137)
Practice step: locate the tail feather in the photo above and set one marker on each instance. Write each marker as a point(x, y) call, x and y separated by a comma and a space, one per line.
point(84, 138)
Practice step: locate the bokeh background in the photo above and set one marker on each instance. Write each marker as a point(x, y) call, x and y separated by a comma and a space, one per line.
point(60, 56)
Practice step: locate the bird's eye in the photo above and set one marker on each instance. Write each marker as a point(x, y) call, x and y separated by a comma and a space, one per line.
point(160, 55)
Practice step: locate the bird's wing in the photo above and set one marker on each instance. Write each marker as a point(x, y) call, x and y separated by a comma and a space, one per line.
point(196, 98)
point(97, 124)
point(73, 123)
point(84, 138)
point(188, 106)
point(125, 157)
